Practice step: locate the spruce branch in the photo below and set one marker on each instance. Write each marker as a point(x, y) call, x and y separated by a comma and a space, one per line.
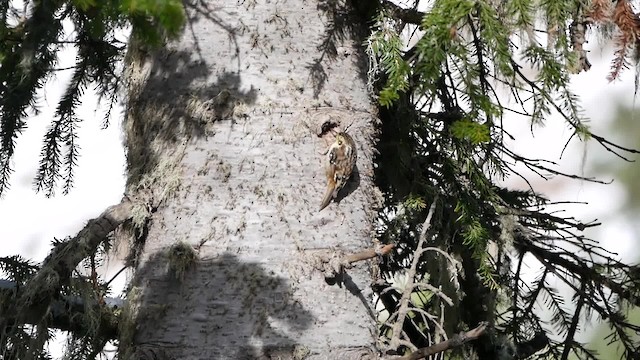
point(23, 71)
point(29, 57)
point(57, 268)
point(608, 145)
point(568, 341)
point(601, 278)
point(67, 312)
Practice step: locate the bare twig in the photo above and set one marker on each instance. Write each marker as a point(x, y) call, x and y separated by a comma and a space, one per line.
point(411, 275)
point(436, 291)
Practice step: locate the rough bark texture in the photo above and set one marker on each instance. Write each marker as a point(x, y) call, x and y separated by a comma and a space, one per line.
point(223, 155)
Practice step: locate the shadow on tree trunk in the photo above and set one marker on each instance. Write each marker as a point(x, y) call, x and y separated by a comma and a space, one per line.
point(265, 313)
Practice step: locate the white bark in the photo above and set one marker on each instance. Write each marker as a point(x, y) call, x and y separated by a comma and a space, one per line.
point(242, 184)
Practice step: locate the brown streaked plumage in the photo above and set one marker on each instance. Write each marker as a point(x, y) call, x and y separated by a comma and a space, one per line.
point(341, 158)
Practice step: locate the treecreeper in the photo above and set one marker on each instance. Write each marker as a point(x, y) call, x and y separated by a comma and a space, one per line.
point(341, 159)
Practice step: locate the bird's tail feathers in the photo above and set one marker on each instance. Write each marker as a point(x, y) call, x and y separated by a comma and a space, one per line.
point(328, 195)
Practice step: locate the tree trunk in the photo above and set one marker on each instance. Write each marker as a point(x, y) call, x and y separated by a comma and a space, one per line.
point(224, 156)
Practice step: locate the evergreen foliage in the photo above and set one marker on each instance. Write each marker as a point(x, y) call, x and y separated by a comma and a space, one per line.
point(444, 99)
point(442, 102)
point(31, 38)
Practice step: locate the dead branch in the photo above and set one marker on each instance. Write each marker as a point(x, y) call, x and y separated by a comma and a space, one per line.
point(332, 262)
point(411, 275)
point(369, 253)
point(410, 16)
point(454, 341)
